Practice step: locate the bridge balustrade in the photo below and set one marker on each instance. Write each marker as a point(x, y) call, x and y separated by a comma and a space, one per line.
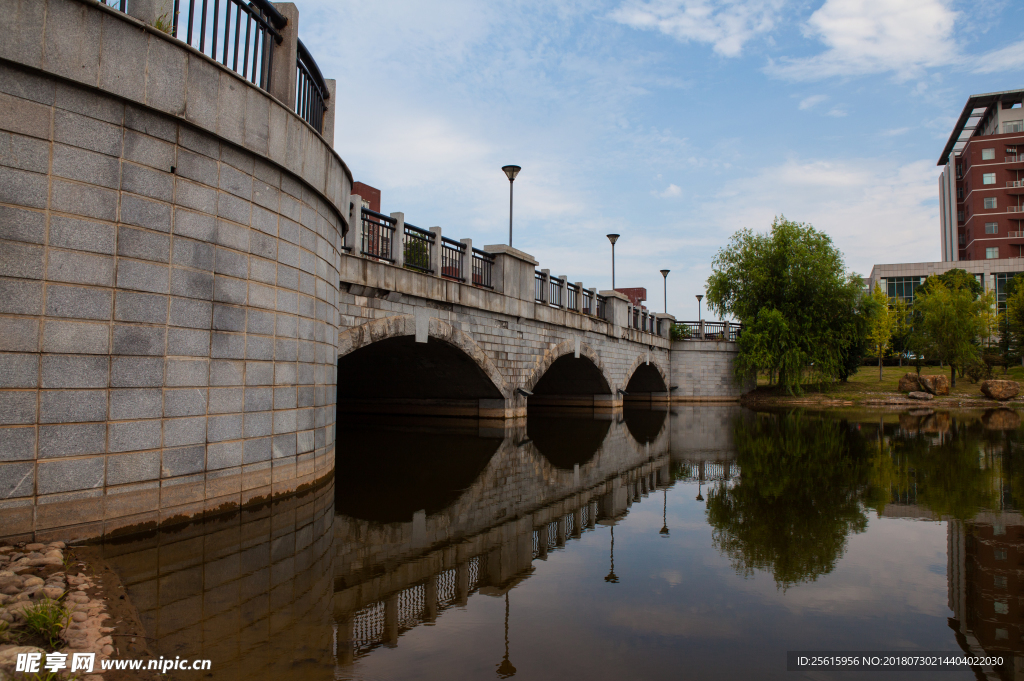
point(416, 248)
point(483, 264)
point(711, 330)
point(244, 36)
point(378, 233)
point(451, 259)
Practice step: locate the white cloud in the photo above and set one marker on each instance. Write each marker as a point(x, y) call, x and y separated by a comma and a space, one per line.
point(1005, 59)
point(874, 211)
point(725, 24)
point(894, 132)
point(812, 101)
point(876, 36)
point(670, 191)
point(837, 112)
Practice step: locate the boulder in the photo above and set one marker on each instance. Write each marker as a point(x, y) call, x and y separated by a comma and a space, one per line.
point(936, 385)
point(1000, 390)
point(909, 383)
point(1001, 419)
point(918, 395)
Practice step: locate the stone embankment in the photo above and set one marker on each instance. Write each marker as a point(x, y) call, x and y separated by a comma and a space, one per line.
point(32, 575)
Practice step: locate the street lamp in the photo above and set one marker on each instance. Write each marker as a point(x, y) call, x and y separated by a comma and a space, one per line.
point(664, 274)
point(506, 669)
point(611, 577)
point(510, 172)
point(699, 296)
point(664, 516)
point(613, 238)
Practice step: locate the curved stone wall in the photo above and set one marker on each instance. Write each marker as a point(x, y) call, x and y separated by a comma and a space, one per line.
point(168, 296)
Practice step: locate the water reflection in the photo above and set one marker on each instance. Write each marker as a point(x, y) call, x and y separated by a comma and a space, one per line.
point(454, 548)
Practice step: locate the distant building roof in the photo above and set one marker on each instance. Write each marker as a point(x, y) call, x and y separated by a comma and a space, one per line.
point(974, 111)
point(635, 295)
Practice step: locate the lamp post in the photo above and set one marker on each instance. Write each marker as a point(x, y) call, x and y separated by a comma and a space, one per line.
point(664, 516)
point(611, 577)
point(510, 172)
point(506, 669)
point(613, 238)
point(699, 296)
point(664, 275)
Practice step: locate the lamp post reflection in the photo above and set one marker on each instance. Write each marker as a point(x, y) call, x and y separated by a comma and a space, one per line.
point(506, 668)
point(611, 577)
point(664, 515)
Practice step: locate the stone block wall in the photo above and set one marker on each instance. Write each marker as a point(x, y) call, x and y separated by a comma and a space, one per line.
point(168, 281)
point(702, 371)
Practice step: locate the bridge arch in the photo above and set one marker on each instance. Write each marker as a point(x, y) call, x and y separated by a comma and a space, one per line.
point(380, 359)
point(560, 372)
point(645, 377)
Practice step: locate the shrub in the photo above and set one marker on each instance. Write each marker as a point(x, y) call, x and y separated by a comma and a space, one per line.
point(978, 371)
point(680, 332)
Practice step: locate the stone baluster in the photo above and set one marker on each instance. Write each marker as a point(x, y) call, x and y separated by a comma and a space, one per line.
point(435, 251)
point(467, 260)
point(355, 224)
point(545, 286)
point(563, 299)
point(398, 240)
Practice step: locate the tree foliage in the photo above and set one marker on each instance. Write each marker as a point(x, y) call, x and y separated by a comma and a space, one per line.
point(882, 326)
point(950, 319)
point(800, 309)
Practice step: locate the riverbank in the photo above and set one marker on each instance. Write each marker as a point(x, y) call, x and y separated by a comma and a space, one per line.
point(865, 389)
point(56, 599)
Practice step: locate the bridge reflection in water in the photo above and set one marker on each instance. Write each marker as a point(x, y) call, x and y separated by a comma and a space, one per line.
point(549, 481)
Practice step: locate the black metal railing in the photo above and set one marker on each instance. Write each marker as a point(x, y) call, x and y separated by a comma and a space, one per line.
point(538, 286)
point(712, 330)
point(483, 263)
point(451, 258)
point(240, 35)
point(378, 233)
point(572, 296)
point(416, 248)
point(310, 90)
point(555, 297)
point(601, 307)
point(588, 302)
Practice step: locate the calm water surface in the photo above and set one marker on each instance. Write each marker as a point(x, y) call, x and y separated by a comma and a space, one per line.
point(701, 543)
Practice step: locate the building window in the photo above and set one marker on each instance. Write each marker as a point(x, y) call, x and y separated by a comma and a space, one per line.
point(1013, 126)
point(959, 216)
point(988, 178)
point(960, 193)
point(991, 228)
point(992, 253)
point(963, 240)
point(1002, 279)
point(1002, 635)
point(990, 202)
point(1002, 607)
point(999, 582)
point(903, 287)
point(988, 154)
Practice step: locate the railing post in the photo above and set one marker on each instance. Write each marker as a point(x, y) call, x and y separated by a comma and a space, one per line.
point(725, 333)
point(329, 106)
point(579, 296)
point(701, 332)
point(398, 240)
point(284, 71)
point(467, 260)
point(593, 302)
point(435, 251)
point(545, 286)
point(355, 223)
point(148, 11)
point(563, 297)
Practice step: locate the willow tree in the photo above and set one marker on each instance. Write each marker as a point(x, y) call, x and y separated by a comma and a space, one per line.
point(801, 310)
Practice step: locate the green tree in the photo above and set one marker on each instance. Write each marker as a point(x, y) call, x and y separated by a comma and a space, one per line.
point(950, 321)
point(799, 307)
point(881, 326)
point(1013, 320)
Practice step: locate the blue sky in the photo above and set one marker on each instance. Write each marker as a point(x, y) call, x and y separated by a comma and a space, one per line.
point(672, 122)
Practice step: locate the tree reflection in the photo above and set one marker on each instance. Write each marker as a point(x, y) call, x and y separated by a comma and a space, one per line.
point(802, 491)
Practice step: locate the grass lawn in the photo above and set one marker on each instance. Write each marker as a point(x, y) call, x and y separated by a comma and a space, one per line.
point(865, 384)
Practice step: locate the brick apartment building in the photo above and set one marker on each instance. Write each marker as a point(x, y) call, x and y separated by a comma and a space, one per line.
point(982, 182)
point(981, 200)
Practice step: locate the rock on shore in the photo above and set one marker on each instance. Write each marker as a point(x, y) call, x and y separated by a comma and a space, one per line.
point(1000, 390)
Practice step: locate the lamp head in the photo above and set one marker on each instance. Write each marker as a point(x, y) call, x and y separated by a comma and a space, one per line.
point(613, 238)
point(699, 296)
point(664, 273)
point(511, 172)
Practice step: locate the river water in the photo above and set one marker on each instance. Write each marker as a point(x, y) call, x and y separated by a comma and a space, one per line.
point(698, 543)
